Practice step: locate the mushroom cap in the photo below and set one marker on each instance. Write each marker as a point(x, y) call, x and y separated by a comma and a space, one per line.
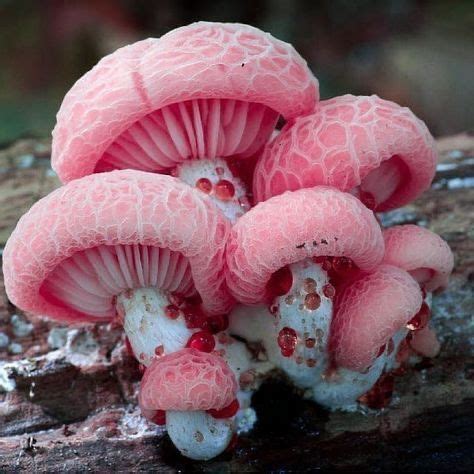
point(344, 140)
point(368, 312)
point(187, 380)
point(425, 342)
point(271, 235)
point(117, 208)
point(199, 61)
point(415, 248)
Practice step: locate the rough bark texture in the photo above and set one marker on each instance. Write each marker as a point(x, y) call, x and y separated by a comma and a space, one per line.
point(74, 407)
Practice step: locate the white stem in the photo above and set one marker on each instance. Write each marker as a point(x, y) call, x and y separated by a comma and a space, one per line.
point(146, 325)
point(197, 434)
point(216, 171)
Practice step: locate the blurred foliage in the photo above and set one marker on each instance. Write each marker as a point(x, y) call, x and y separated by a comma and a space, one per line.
point(416, 52)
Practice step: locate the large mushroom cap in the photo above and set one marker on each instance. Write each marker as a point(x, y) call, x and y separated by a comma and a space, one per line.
point(311, 222)
point(420, 252)
point(216, 84)
point(368, 312)
point(95, 237)
point(351, 142)
point(187, 380)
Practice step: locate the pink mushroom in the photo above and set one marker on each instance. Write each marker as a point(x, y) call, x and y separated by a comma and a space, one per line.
point(292, 252)
point(368, 313)
point(371, 147)
point(125, 241)
point(198, 392)
point(428, 258)
point(206, 91)
point(422, 253)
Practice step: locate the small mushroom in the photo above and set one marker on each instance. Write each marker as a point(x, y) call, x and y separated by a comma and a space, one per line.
point(374, 148)
point(368, 313)
point(268, 265)
point(187, 385)
point(206, 91)
point(142, 245)
point(429, 260)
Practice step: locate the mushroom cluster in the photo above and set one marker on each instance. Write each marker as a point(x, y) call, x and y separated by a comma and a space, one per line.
point(232, 249)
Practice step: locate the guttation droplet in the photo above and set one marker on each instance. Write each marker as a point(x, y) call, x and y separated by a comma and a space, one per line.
point(204, 185)
point(224, 190)
point(280, 283)
point(227, 412)
point(287, 340)
point(202, 341)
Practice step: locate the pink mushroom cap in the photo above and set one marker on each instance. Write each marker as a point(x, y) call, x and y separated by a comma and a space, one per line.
point(422, 253)
point(311, 222)
point(144, 211)
point(425, 342)
point(200, 61)
point(187, 380)
point(368, 312)
point(347, 142)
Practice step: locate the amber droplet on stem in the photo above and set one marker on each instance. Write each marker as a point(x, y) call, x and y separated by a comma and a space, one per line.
point(312, 301)
point(329, 291)
point(380, 394)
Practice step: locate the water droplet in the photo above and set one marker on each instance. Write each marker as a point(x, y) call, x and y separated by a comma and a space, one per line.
point(172, 311)
point(312, 301)
point(204, 185)
point(311, 362)
point(309, 285)
point(287, 339)
point(224, 190)
point(280, 283)
point(310, 342)
point(329, 291)
point(202, 341)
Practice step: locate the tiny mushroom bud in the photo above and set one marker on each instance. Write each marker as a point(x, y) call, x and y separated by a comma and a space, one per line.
point(206, 91)
point(187, 384)
point(378, 150)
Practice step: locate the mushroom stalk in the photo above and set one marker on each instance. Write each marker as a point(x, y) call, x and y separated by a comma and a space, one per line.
point(214, 178)
point(153, 326)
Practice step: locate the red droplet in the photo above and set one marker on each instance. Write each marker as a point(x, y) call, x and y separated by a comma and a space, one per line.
point(381, 350)
point(368, 199)
point(287, 339)
point(224, 190)
point(194, 316)
point(220, 171)
point(172, 311)
point(159, 418)
point(312, 301)
point(380, 394)
point(280, 283)
point(159, 350)
point(420, 320)
point(329, 291)
point(343, 266)
point(204, 185)
point(226, 412)
point(202, 341)
point(128, 346)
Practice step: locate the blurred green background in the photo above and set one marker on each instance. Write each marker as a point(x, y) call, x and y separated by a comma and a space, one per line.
point(418, 53)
